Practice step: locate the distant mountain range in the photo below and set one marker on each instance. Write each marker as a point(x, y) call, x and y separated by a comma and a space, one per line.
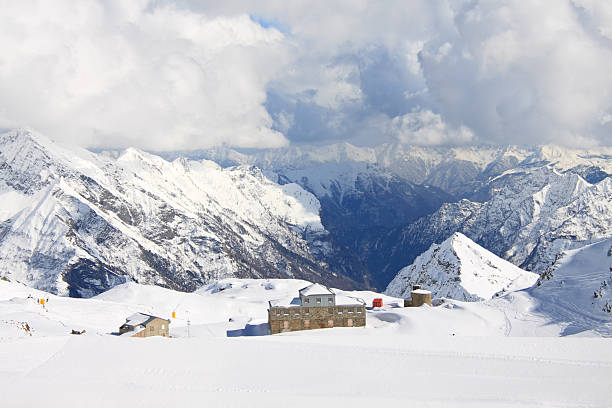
point(78, 223)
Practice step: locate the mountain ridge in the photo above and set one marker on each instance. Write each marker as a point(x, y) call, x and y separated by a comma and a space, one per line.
point(97, 222)
point(460, 269)
point(339, 214)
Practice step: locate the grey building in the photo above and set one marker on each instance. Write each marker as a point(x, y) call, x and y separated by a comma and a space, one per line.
point(316, 307)
point(317, 295)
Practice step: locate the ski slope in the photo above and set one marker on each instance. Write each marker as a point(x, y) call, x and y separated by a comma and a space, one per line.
point(578, 289)
point(458, 354)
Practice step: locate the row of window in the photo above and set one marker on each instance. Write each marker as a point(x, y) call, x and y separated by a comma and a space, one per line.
point(318, 300)
point(306, 324)
point(306, 311)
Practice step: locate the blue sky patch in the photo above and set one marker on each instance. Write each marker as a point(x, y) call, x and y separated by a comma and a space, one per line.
point(270, 23)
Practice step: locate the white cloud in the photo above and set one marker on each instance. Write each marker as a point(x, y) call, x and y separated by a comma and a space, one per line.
point(178, 74)
point(424, 127)
point(599, 14)
point(523, 72)
point(129, 73)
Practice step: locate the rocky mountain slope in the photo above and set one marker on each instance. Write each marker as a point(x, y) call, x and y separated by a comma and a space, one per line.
point(385, 205)
point(531, 215)
point(460, 269)
point(78, 223)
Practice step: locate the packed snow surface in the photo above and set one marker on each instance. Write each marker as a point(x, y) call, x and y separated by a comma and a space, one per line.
point(458, 354)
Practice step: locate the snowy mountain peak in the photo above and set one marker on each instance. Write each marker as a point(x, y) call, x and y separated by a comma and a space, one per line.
point(77, 223)
point(458, 268)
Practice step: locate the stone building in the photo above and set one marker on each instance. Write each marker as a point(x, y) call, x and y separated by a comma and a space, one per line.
point(418, 297)
point(316, 307)
point(144, 325)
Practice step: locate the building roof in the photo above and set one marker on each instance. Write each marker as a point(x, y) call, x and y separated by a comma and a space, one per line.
point(421, 292)
point(138, 319)
point(286, 302)
point(316, 289)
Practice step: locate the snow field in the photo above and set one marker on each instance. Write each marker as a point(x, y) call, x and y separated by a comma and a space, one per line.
point(303, 369)
point(457, 354)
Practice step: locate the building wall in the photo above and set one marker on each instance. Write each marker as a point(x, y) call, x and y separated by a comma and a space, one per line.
point(318, 300)
point(283, 319)
point(156, 327)
point(419, 299)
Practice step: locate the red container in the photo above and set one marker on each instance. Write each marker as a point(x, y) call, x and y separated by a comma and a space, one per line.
point(377, 302)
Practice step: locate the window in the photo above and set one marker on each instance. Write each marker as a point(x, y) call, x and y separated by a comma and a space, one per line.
point(307, 300)
point(278, 312)
point(318, 300)
point(163, 327)
point(306, 311)
point(296, 312)
point(350, 310)
point(359, 310)
point(330, 300)
point(151, 328)
point(286, 312)
point(339, 311)
point(330, 310)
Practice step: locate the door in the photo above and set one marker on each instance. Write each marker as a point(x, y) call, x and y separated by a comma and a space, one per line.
point(349, 323)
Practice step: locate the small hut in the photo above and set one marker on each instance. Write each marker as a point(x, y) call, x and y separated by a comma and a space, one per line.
point(418, 297)
point(144, 325)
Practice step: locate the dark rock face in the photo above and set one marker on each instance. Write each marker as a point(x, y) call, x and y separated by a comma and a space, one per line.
point(87, 278)
point(364, 215)
point(592, 174)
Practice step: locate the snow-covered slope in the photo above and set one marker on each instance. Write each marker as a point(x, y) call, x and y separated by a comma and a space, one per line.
point(82, 222)
point(460, 269)
point(577, 288)
point(478, 348)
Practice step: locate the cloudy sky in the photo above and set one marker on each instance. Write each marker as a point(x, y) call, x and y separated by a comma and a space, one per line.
point(168, 75)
